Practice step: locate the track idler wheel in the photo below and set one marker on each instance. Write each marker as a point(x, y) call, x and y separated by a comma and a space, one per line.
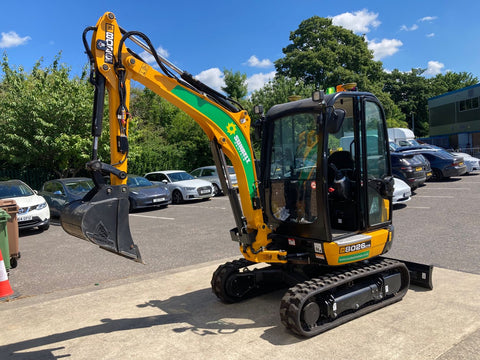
point(230, 284)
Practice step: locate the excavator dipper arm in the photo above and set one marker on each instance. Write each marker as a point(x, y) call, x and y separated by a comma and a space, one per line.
point(226, 125)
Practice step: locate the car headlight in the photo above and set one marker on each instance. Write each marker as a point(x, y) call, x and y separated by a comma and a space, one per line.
point(190, 188)
point(134, 192)
point(42, 206)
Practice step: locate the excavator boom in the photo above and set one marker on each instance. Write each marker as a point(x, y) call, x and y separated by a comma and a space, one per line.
point(225, 123)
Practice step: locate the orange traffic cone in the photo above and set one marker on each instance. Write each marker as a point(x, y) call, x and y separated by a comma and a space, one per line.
point(5, 288)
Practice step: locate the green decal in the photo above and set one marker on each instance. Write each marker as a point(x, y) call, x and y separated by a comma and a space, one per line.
point(228, 126)
point(353, 257)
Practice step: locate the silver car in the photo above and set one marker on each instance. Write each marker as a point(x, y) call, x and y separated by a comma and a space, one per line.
point(209, 173)
point(182, 185)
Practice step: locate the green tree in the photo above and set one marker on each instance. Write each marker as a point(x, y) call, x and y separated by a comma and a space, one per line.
point(162, 137)
point(325, 55)
point(235, 84)
point(278, 90)
point(451, 81)
point(46, 118)
point(410, 92)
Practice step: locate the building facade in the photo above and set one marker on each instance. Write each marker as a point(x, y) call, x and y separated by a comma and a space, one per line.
point(454, 119)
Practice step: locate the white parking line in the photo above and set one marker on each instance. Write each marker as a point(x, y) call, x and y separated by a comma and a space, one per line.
point(449, 188)
point(435, 196)
point(152, 217)
point(419, 207)
point(204, 207)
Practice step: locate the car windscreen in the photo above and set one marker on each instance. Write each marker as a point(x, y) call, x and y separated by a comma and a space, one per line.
point(138, 182)
point(78, 187)
point(12, 190)
point(180, 176)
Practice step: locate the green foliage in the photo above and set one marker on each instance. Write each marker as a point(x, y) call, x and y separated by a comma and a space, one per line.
point(46, 118)
point(46, 113)
point(163, 137)
point(278, 90)
point(411, 90)
point(235, 84)
point(325, 55)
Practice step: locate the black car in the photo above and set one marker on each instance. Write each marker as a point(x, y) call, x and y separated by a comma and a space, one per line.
point(443, 164)
point(59, 192)
point(426, 165)
point(409, 168)
point(143, 193)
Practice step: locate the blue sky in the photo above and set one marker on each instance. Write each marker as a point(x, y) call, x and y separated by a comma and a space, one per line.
point(204, 38)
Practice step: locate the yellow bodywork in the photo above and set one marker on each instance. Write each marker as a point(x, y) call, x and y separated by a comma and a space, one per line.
point(106, 57)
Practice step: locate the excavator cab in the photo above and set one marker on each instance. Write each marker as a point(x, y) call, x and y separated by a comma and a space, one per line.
point(325, 176)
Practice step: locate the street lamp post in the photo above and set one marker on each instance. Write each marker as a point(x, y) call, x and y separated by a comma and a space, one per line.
point(413, 122)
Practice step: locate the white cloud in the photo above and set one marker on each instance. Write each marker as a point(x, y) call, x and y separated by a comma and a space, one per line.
point(411, 28)
point(428, 18)
point(384, 48)
point(11, 39)
point(149, 59)
point(359, 21)
point(430, 35)
point(215, 79)
point(212, 77)
point(434, 68)
point(257, 81)
point(255, 62)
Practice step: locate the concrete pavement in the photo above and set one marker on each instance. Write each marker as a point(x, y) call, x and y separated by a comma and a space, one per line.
point(173, 314)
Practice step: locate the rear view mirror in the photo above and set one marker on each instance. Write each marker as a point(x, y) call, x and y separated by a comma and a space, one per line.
point(335, 119)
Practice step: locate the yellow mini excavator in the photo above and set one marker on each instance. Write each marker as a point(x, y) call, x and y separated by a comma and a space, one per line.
point(316, 208)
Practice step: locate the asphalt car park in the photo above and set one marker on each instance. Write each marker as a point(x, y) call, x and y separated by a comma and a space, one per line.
point(439, 226)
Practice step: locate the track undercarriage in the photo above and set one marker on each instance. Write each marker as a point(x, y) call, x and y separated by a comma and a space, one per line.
point(319, 298)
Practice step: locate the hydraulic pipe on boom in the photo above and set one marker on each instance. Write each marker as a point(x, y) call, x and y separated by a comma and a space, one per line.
point(226, 125)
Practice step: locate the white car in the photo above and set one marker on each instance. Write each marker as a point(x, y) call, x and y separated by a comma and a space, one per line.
point(401, 193)
point(33, 209)
point(209, 173)
point(472, 163)
point(182, 185)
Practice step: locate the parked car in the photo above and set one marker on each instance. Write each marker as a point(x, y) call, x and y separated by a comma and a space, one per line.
point(182, 185)
point(408, 168)
point(426, 165)
point(471, 162)
point(444, 165)
point(401, 192)
point(209, 173)
point(59, 192)
point(33, 208)
point(143, 193)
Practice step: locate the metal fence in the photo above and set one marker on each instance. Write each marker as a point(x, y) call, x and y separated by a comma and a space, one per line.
point(33, 177)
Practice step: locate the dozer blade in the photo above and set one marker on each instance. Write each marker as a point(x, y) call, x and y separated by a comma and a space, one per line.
point(102, 218)
point(420, 274)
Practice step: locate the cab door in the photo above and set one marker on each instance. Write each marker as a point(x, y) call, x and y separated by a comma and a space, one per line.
point(376, 168)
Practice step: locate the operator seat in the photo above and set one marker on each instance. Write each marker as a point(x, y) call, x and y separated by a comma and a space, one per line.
point(343, 161)
point(342, 207)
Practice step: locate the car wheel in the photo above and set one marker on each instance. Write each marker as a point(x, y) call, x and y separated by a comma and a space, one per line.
point(437, 174)
point(177, 197)
point(216, 190)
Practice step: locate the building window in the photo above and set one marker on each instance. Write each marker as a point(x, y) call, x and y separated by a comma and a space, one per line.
point(468, 104)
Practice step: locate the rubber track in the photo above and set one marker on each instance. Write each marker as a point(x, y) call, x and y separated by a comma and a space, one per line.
point(221, 275)
point(293, 301)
